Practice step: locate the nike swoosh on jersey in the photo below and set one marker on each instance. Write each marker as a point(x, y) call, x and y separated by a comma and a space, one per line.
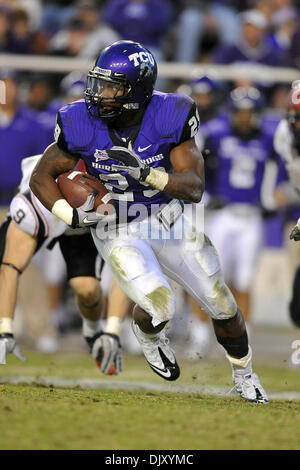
point(140, 149)
point(164, 372)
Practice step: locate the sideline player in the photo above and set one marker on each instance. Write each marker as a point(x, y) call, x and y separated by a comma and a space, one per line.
point(140, 142)
point(30, 226)
point(287, 193)
point(241, 150)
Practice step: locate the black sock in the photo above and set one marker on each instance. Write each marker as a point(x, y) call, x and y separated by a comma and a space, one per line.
point(236, 347)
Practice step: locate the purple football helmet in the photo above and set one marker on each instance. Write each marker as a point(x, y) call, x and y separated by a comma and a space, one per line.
point(130, 70)
point(246, 98)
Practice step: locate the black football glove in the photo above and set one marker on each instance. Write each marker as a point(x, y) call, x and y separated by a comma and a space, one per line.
point(130, 162)
point(295, 234)
point(107, 351)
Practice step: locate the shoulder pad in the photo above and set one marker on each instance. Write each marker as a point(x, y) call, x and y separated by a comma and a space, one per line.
point(172, 113)
point(74, 129)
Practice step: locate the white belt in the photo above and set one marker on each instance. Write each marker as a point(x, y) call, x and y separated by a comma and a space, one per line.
point(168, 215)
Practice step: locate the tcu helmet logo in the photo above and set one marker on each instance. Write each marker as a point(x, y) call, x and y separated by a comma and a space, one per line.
point(140, 57)
point(100, 155)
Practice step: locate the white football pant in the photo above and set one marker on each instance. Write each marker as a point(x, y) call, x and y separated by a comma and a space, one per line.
point(139, 261)
point(237, 233)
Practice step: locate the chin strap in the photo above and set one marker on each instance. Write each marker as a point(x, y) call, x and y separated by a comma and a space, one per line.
point(13, 266)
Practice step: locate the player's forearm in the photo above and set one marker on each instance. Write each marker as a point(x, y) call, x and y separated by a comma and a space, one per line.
point(188, 185)
point(45, 189)
point(42, 182)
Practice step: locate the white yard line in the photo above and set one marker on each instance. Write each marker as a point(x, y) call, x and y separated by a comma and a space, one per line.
point(122, 385)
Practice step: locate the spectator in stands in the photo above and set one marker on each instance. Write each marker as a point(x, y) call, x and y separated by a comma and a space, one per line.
point(4, 28)
point(39, 93)
point(295, 49)
point(284, 23)
point(55, 15)
point(145, 21)
point(252, 45)
point(69, 40)
point(100, 34)
point(17, 35)
point(85, 35)
point(131, 19)
point(71, 88)
point(252, 48)
point(34, 10)
point(21, 135)
point(20, 37)
point(195, 17)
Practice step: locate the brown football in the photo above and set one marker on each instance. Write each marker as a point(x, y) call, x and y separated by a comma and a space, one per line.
point(76, 186)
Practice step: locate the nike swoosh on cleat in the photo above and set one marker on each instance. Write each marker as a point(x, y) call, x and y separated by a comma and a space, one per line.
point(86, 221)
point(140, 149)
point(163, 372)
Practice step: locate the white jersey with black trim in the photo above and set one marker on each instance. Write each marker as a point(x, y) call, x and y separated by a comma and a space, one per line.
point(283, 142)
point(29, 213)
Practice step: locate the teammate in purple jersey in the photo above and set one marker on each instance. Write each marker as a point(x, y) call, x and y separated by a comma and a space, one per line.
point(207, 95)
point(241, 150)
point(141, 144)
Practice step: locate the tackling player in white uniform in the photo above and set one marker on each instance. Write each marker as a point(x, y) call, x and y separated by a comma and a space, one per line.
point(30, 226)
point(287, 194)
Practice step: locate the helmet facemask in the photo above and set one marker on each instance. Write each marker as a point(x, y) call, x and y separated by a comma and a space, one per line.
point(107, 107)
point(120, 101)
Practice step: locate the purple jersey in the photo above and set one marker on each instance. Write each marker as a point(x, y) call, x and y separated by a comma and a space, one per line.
point(169, 120)
point(22, 137)
point(240, 165)
point(218, 124)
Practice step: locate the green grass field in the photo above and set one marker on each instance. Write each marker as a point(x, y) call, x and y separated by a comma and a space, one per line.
point(46, 416)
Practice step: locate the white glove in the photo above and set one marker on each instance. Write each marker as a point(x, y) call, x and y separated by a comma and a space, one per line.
point(107, 351)
point(8, 345)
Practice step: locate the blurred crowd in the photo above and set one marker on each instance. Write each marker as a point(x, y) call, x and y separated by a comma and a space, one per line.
point(197, 31)
point(177, 30)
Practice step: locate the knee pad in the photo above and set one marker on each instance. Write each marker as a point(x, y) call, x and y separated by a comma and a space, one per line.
point(145, 286)
point(162, 304)
point(222, 302)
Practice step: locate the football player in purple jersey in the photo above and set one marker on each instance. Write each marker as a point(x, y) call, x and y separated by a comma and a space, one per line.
point(241, 150)
point(140, 143)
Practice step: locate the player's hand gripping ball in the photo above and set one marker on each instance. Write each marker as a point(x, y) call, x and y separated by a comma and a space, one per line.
point(87, 195)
